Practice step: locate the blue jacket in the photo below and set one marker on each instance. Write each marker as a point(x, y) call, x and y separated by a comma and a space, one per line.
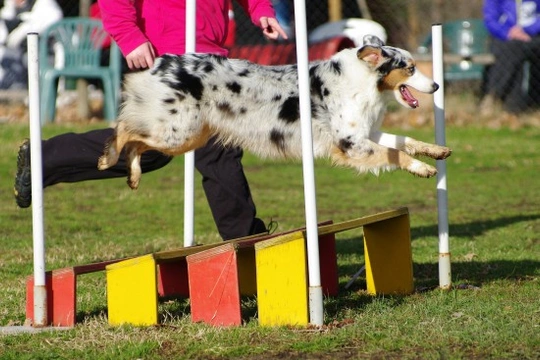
point(500, 16)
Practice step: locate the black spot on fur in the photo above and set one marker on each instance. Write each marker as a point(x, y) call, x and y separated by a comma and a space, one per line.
point(186, 83)
point(243, 110)
point(226, 109)
point(174, 129)
point(290, 110)
point(316, 86)
point(217, 58)
point(315, 110)
point(345, 144)
point(165, 62)
point(326, 92)
point(335, 65)
point(276, 97)
point(278, 139)
point(244, 73)
point(169, 101)
point(180, 96)
point(395, 61)
point(173, 111)
point(234, 87)
point(208, 67)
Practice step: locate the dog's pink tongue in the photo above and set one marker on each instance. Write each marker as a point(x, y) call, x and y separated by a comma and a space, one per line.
point(408, 97)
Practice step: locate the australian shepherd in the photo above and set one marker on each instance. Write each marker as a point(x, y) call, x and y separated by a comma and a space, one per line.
point(184, 100)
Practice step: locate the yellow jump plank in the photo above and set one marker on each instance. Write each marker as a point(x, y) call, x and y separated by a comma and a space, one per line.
point(387, 247)
point(131, 291)
point(282, 292)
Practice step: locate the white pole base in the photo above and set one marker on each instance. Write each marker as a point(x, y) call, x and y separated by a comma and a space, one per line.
point(316, 309)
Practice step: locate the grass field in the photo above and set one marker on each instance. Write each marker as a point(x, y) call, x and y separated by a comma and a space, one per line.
point(493, 310)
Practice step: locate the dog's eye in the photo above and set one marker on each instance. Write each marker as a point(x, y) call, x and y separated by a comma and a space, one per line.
point(412, 70)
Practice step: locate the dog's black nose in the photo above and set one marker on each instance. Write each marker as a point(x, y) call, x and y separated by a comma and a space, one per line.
point(435, 87)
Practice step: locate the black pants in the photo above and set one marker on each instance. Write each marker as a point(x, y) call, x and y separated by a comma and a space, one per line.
point(73, 157)
point(507, 79)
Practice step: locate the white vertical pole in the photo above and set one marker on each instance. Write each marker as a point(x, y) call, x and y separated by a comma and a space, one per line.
point(445, 274)
point(40, 290)
point(316, 309)
point(189, 158)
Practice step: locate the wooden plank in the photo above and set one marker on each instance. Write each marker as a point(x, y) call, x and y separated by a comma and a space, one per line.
point(173, 278)
point(175, 254)
point(282, 293)
point(132, 291)
point(387, 249)
point(356, 223)
point(214, 287)
point(61, 297)
point(90, 268)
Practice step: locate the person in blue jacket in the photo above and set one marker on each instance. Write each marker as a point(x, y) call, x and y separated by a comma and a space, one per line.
point(513, 79)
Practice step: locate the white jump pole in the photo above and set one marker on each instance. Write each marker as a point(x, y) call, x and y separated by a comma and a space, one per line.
point(316, 309)
point(40, 290)
point(445, 273)
point(189, 158)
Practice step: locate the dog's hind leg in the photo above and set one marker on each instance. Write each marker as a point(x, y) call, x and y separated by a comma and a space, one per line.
point(111, 152)
point(375, 158)
point(411, 146)
point(113, 147)
point(133, 152)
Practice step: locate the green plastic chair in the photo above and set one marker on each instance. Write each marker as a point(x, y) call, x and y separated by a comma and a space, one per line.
point(466, 37)
point(81, 40)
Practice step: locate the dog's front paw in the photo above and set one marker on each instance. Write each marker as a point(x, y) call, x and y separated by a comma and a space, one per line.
point(434, 151)
point(442, 153)
point(421, 169)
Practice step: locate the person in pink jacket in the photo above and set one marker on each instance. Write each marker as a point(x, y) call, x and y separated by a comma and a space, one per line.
point(144, 29)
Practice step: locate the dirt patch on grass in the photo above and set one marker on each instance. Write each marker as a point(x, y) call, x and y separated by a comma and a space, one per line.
point(14, 108)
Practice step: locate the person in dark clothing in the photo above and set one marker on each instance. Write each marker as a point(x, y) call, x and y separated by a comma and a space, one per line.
point(514, 78)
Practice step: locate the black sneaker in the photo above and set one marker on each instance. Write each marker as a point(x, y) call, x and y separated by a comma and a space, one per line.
point(259, 227)
point(23, 179)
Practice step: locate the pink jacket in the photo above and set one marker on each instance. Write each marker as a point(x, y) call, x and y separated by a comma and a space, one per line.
point(162, 22)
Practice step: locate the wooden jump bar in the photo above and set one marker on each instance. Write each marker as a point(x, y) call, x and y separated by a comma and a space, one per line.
point(366, 220)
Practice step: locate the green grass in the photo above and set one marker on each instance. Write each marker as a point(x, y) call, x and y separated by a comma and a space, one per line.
point(493, 311)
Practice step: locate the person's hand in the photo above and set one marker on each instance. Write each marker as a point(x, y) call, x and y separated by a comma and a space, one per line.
point(517, 33)
point(271, 28)
point(142, 57)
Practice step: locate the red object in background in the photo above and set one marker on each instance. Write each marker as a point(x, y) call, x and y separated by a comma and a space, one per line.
point(231, 30)
point(95, 13)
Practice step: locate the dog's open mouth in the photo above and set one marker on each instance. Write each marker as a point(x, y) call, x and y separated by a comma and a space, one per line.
point(408, 97)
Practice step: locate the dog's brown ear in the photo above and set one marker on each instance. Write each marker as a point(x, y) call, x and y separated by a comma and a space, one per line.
point(370, 54)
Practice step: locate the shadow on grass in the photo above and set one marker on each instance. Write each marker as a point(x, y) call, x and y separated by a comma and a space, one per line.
point(477, 273)
point(468, 272)
point(474, 228)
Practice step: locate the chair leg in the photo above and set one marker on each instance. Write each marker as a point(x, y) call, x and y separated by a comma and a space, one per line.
point(48, 99)
point(109, 99)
